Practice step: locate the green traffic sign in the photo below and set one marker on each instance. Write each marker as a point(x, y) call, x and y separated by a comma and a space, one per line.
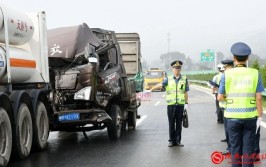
point(207, 56)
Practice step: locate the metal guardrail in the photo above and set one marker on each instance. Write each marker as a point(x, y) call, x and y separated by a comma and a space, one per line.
point(198, 81)
point(206, 83)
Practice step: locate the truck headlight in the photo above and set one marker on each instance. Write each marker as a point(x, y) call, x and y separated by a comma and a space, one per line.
point(83, 94)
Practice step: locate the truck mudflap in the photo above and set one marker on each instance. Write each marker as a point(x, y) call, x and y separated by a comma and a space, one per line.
point(81, 117)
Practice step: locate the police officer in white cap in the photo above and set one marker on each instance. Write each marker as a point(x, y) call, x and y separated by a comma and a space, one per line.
point(241, 88)
point(176, 87)
point(216, 79)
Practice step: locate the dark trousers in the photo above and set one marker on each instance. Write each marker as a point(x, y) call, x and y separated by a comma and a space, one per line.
point(175, 116)
point(225, 131)
point(219, 112)
point(257, 142)
point(242, 141)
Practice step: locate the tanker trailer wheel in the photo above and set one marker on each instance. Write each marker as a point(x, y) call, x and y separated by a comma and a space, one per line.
point(5, 137)
point(132, 120)
point(24, 130)
point(41, 127)
point(115, 125)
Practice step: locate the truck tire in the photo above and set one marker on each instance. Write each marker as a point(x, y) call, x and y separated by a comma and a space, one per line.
point(5, 137)
point(24, 132)
point(131, 120)
point(115, 125)
point(41, 127)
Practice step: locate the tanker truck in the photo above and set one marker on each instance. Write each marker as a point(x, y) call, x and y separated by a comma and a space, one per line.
point(24, 83)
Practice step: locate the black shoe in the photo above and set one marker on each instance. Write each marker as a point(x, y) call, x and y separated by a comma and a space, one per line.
point(224, 140)
point(257, 158)
point(225, 152)
point(180, 145)
point(171, 144)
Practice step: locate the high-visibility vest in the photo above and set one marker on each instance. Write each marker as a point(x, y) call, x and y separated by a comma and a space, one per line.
point(240, 90)
point(175, 93)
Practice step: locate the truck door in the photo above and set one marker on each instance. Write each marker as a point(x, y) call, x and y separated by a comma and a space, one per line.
point(109, 80)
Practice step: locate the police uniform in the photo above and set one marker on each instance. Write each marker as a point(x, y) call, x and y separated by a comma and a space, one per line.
point(175, 97)
point(222, 105)
point(240, 85)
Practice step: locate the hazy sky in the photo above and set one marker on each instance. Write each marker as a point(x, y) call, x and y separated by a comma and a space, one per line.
point(193, 25)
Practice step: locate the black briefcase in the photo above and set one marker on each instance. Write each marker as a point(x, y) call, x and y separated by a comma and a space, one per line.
point(185, 119)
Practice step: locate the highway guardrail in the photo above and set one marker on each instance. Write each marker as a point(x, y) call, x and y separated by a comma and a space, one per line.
point(207, 84)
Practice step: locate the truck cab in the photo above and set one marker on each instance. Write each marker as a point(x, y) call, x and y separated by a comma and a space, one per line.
point(89, 81)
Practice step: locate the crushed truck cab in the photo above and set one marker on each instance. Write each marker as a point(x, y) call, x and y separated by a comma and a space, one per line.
point(89, 81)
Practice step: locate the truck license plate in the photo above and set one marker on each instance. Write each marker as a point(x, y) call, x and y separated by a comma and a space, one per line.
point(69, 117)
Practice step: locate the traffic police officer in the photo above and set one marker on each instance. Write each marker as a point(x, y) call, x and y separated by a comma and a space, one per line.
point(216, 79)
point(241, 88)
point(176, 87)
point(228, 64)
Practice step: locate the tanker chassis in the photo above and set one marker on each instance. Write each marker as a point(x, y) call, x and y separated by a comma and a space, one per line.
point(24, 84)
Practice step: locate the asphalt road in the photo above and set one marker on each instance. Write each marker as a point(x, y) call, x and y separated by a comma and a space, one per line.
point(147, 145)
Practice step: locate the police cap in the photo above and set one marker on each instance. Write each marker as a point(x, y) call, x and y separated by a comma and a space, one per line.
point(176, 63)
point(227, 62)
point(240, 49)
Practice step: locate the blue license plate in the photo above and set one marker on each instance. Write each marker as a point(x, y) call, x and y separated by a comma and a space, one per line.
point(69, 117)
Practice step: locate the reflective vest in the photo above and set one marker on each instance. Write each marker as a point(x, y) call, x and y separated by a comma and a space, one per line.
point(175, 93)
point(240, 90)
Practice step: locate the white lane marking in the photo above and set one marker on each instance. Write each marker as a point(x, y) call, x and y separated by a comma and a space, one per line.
point(156, 104)
point(263, 124)
point(141, 120)
point(56, 135)
point(163, 95)
point(205, 92)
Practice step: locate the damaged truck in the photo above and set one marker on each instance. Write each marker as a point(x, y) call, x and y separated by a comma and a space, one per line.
point(91, 89)
point(74, 82)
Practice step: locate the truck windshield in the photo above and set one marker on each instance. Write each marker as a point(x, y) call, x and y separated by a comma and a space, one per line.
point(154, 74)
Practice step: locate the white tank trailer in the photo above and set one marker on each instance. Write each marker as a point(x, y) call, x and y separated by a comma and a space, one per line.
point(24, 83)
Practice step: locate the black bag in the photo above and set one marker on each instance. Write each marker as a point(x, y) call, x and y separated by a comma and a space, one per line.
point(185, 119)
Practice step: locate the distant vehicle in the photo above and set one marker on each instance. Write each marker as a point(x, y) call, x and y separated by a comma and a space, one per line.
point(152, 77)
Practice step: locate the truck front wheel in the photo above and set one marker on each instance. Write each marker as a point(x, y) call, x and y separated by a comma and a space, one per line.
point(5, 137)
point(115, 125)
point(41, 127)
point(24, 131)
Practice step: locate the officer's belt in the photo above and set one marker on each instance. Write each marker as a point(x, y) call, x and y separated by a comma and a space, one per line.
point(242, 119)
